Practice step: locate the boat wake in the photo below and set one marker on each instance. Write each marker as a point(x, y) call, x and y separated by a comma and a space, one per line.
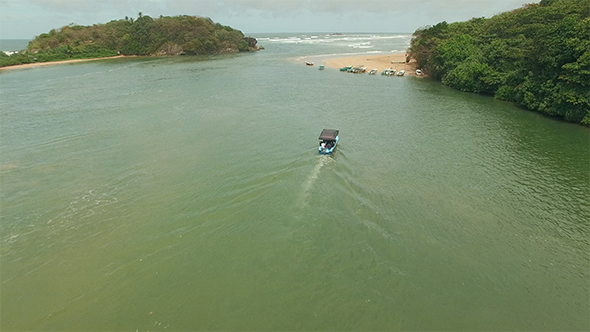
point(313, 176)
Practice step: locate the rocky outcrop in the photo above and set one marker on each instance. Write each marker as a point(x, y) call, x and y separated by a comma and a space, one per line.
point(175, 49)
point(171, 49)
point(251, 43)
point(230, 50)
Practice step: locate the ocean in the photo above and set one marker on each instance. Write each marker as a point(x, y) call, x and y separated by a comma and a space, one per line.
point(187, 193)
point(11, 45)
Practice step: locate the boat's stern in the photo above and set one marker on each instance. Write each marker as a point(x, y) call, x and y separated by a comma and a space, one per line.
point(327, 150)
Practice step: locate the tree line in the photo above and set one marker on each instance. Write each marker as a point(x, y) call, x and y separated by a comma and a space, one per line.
point(142, 36)
point(537, 56)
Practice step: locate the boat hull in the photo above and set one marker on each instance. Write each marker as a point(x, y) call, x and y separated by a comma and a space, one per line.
point(330, 150)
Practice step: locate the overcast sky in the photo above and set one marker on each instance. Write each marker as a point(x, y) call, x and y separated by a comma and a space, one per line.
point(25, 19)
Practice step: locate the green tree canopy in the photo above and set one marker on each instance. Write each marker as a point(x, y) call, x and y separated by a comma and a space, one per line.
point(143, 36)
point(537, 56)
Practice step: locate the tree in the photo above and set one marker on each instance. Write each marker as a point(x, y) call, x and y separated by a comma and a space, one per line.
point(537, 56)
point(144, 36)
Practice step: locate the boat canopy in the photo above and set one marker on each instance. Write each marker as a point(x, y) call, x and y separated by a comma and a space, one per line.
point(329, 134)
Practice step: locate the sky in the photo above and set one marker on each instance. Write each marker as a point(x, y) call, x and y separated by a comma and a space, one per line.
point(25, 19)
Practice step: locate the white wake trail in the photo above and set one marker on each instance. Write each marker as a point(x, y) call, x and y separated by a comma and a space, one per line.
point(323, 160)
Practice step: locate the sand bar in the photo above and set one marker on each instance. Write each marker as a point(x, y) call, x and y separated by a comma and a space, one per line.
point(379, 62)
point(50, 63)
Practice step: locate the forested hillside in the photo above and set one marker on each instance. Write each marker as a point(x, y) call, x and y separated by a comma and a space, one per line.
point(142, 36)
point(537, 56)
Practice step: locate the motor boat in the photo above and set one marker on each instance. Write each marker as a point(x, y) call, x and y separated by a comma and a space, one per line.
point(328, 141)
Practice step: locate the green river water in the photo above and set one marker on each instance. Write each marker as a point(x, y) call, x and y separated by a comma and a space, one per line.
point(179, 194)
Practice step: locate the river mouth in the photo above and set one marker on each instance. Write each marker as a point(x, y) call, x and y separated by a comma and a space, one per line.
point(175, 194)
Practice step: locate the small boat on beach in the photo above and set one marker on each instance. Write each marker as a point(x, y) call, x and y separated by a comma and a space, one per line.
point(373, 71)
point(388, 72)
point(328, 141)
point(419, 72)
point(357, 69)
point(347, 68)
point(401, 73)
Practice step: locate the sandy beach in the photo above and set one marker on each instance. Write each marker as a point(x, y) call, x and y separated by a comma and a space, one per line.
point(379, 62)
point(50, 63)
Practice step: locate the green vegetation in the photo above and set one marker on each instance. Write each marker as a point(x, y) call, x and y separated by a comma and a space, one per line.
point(143, 36)
point(537, 56)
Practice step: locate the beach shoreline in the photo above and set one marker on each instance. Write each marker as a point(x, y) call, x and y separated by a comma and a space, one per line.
point(51, 63)
point(380, 62)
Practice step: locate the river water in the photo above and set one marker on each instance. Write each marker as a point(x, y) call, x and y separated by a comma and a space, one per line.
point(186, 193)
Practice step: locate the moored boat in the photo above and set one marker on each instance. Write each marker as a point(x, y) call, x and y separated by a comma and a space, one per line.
point(357, 69)
point(328, 141)
point(388, 72)
point(321, 67)
point(309, 63)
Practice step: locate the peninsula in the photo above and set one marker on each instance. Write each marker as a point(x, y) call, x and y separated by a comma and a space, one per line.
point(178, 35)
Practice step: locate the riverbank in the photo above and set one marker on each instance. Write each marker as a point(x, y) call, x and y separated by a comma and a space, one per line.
point(50, 63)
point(379, 62)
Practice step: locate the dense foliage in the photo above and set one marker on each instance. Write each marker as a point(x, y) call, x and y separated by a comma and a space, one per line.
point(143, 36)
point(537, 56)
